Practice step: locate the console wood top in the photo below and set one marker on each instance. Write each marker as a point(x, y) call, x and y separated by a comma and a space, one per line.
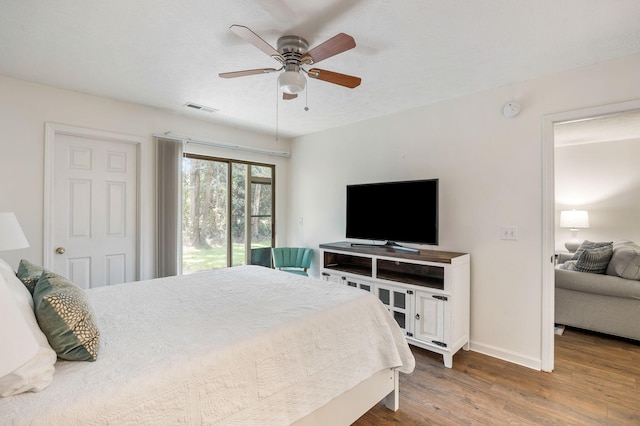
point(424, 255)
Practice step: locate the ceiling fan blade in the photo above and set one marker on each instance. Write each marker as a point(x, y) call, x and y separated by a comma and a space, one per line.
point(257, 41)
point(329, 48)
point(234, 74)
point(335, 77)
point(287, 96)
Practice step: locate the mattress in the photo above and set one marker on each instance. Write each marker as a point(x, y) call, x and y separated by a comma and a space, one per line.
point(236, 346)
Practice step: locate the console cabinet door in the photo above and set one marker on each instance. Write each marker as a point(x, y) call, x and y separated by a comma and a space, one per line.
point(398, 301)
point(429, 318)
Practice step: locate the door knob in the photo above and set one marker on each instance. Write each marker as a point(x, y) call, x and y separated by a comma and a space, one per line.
point(60, 250)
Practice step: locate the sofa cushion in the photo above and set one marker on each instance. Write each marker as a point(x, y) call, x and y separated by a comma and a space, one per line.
point(569, 265)
point(594, 260)
point(586, 244)
point(625, 261)
point(605, 285)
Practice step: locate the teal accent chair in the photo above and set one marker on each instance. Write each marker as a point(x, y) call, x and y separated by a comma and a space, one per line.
point(292, 259)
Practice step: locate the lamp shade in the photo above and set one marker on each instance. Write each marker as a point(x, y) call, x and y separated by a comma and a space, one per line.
point(11, 235)
point(574, 219)
point(292, 82)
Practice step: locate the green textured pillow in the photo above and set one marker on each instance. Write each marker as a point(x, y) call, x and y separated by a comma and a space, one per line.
point(65, 317)
point(594, 260)
point(29, 274)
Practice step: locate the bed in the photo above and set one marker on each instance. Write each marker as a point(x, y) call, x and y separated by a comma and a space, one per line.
point(236, 346)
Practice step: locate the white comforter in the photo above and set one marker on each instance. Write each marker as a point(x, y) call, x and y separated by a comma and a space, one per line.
point(243, 345)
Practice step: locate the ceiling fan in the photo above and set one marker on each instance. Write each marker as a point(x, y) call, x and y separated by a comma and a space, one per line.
point(293, 53)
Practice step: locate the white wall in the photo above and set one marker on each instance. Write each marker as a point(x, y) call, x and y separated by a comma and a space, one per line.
point(26, 107)
point(490, 170)
point(604, 179)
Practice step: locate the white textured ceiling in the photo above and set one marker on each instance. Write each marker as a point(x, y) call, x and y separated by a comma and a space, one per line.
point(409, 53)
point(607, 128)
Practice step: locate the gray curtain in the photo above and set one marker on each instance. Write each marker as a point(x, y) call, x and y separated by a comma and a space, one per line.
point(169, 207)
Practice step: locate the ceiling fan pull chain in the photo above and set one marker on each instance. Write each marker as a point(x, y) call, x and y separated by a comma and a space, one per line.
point(306, 98)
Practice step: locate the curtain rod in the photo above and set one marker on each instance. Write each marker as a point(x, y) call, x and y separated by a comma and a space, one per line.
point(188, 139)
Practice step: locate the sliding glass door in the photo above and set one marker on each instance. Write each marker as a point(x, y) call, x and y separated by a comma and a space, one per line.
point(228, 213)
point(261, 214)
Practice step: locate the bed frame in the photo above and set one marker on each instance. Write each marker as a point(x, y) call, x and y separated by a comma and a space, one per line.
point(352, 404)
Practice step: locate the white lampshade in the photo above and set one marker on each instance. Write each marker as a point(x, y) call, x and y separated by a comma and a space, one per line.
point(574, 219)
point(292, 82)
point(11, 235)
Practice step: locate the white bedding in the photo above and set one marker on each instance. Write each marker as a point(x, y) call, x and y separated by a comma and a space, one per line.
point(243, 345)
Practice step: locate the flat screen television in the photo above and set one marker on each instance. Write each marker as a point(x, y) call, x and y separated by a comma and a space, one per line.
point(394, 212)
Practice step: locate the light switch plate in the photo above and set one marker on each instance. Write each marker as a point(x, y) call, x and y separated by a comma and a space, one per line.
point(508, 232)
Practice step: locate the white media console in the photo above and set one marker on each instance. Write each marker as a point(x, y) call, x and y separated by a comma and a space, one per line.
point(426, 292)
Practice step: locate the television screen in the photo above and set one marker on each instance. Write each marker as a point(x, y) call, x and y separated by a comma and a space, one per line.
point(394, 211)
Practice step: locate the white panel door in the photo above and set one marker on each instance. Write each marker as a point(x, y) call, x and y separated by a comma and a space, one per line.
point(94, 207)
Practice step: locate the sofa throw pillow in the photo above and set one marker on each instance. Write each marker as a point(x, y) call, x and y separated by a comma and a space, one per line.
point(594, 260)
point(586, 244)
point(569, 265)
point(625, 261)
point(29, 274)
point(66, 318)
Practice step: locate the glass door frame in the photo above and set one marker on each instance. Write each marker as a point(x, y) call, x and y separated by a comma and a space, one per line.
point(248, 182)
point(248, 206)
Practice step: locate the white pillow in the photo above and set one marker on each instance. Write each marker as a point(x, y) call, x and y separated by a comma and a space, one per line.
point(27, 360)
point(19, 345)
point(5, 266)
point(16, 288)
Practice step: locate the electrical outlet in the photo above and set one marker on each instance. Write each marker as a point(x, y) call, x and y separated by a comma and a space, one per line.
point(508, 232)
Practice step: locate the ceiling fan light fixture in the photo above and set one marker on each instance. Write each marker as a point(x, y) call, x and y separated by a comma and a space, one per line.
point(292, 82)
point(292, 53)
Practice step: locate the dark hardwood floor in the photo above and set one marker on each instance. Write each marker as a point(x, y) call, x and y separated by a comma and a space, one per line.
point(596, 381)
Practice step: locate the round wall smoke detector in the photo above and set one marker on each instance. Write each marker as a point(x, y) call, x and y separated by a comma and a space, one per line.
point(511, 109)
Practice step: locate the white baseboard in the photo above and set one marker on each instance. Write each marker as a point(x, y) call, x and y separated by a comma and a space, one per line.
point(513, 357)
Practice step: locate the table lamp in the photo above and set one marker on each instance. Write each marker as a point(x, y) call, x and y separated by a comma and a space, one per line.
point(574, 220)
point(11, 235)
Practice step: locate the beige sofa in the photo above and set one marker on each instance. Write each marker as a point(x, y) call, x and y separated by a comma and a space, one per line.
point(606, 302)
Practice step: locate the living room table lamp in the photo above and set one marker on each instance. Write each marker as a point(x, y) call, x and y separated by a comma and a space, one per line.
point(11, 235)
point(574, 220)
